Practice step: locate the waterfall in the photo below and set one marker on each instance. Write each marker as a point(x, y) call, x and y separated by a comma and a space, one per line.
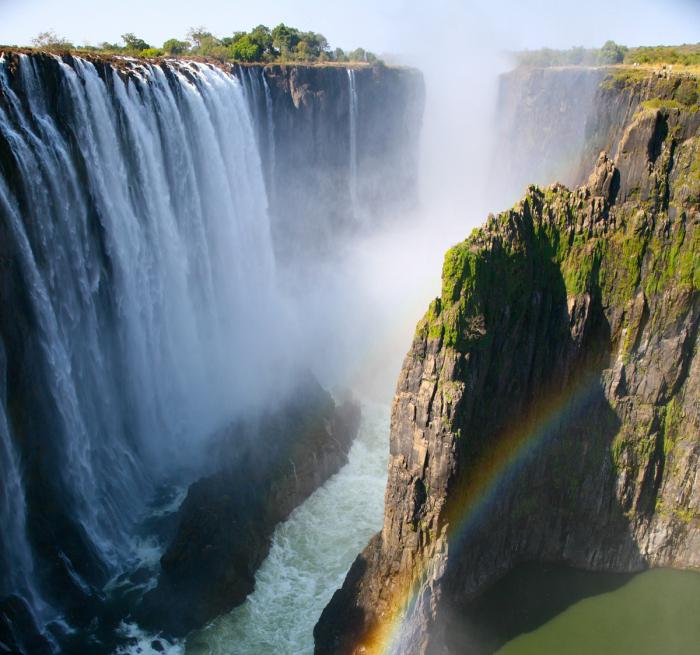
point(270, 133)
point(259, 97)
point(15, 552)
point(133, 210)
point(353, 110)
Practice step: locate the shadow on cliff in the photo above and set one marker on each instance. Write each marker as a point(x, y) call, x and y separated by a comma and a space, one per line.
point(556, 509)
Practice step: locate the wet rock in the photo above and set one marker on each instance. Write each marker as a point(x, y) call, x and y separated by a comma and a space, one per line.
point(19, 632)
point(227, 519)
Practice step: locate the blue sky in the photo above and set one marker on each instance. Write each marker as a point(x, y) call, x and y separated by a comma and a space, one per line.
point(379, 25)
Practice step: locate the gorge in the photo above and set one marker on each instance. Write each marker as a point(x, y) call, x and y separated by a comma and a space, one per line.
point(198, 258)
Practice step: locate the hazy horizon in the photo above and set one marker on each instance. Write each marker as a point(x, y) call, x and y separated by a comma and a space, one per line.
point(393, 26)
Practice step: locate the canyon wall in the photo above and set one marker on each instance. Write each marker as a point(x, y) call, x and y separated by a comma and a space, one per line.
point(541, 125)
point(265, 468)
point(552, 123)
point(340, 148)
point(547, 409)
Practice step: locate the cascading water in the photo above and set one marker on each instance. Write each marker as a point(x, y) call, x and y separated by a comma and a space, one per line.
point(15, 552)
point(259, 96)
point(270, 133)
point(353, 112)
point(134, 216)
point(140, 315)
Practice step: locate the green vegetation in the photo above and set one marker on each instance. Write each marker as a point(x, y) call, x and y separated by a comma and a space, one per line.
point(684, 55)
point(611, 53)
point(282, 44)
point(539, 246)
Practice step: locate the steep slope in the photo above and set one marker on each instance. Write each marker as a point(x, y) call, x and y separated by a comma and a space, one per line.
point(541, 124)
point(548, 407)
point(226, 522)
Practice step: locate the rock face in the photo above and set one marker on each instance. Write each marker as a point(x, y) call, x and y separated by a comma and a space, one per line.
point(541, 127)
point(227, 520)
point(548, 407)
point(305, 128)
point(552, 123)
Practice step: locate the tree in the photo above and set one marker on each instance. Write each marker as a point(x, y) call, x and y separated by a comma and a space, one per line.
point(285, 39)
point(245, 49)
point(199, 36)
point(315, 43)
point(175, 47)
point(577, 55)
point(49, 40)
point(134, 43)
point(302, 51)
point(263, 37)
point(611, 53)
point(358, 54)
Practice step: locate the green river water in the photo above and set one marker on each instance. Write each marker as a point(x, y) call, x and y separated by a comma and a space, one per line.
point(538, 610)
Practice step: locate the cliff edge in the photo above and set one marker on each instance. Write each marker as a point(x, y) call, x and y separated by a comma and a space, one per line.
point(548, 407)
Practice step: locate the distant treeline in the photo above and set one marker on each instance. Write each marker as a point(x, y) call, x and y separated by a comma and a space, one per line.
point(611, 53)
point(261, 44)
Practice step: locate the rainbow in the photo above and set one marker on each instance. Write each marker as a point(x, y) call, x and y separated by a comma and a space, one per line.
point(495, 468)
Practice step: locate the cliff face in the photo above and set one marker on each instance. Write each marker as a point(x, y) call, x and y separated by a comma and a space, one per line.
point(339, 147)
point(548, 407)
point(552, 123)
point(541, 120)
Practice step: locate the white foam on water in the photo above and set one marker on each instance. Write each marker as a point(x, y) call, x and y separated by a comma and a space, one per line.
point(310, 556)
point(142, 642)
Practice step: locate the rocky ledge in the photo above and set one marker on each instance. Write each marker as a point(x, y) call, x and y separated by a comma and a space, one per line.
point(226, 522)
point(548, 407)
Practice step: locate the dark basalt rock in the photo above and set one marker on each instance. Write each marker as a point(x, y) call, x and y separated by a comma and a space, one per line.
point(18, 630)
point(227, 520)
